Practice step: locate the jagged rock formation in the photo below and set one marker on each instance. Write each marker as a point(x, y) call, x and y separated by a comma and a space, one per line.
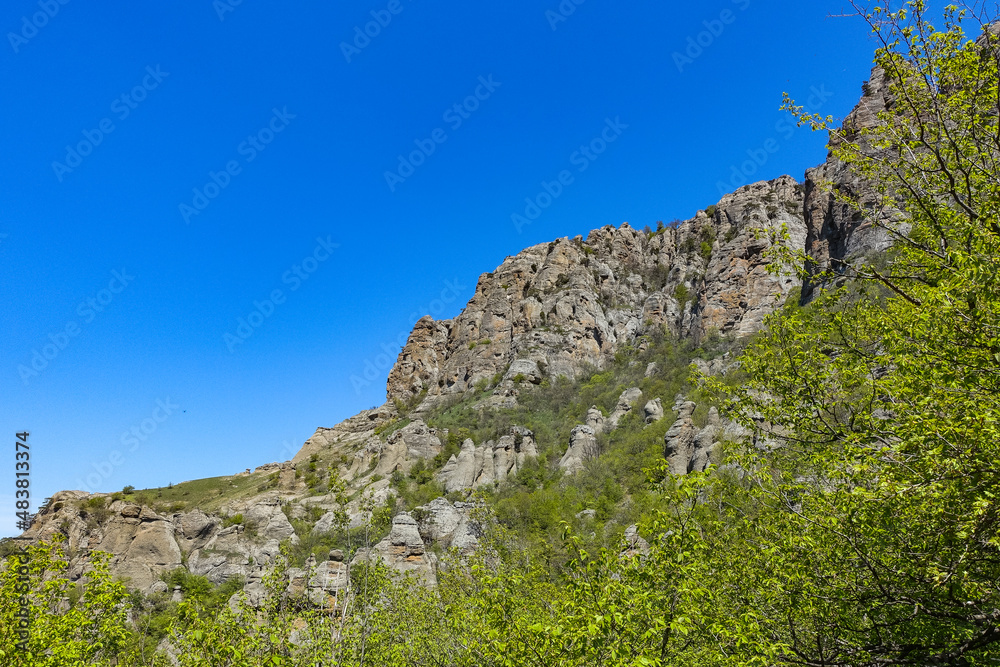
point(556, 309)
point(570, 304)
point(449, 525)
point(146, 545)
point(653, 411)
point(595, 419)
point(835, 232)
point(475, 467)
point(582, 448)
point(628, 399)
point(404, 551)
point(441, 522)
point(322, 583)
point(686, 447)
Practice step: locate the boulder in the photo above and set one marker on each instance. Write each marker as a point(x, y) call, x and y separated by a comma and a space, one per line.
point(582, 448)
point(626, 401)
point(527, 368)
point(653, 411)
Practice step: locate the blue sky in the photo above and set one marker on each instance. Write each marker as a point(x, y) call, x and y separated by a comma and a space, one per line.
point(171, 170)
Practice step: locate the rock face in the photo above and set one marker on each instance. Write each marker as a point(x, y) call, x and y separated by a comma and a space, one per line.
point(626, 401)
point(558, 308)
point(653, 411)
point(582, 448)
point(835, 233)
point(493, 462)
point(686, 447)
point(449, 525)
point(404, 551)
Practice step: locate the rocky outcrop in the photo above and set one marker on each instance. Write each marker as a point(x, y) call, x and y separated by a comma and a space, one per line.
point(628, 400)
point(595, 419)
point(452, 526)
point(493, 462)
point(559, 308)
point(556, 309)
point(582, 448)
point(146, 544)
point(653, 411)
point(679, 441)
point(836, 233)
point(686, 447)
point(404, 551)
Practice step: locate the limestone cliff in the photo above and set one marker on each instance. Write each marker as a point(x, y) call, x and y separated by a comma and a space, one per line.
point(558, 309)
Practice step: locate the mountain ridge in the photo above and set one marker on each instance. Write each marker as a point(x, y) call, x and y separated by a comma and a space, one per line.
point(564, 309)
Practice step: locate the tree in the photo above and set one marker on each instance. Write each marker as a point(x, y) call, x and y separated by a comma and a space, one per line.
point(92, 630)
point(873, 411)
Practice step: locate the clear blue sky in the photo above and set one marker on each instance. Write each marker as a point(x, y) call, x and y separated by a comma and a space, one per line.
point(301, 139)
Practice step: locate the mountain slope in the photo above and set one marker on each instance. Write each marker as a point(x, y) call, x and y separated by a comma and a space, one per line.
point(464, 396)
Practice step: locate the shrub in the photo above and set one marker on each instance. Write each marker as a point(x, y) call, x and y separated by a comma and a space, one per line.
point(682, 295)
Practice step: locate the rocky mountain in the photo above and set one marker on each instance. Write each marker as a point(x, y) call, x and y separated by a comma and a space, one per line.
point(564, 308)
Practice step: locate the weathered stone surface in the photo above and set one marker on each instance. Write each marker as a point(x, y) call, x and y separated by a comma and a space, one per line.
point(420, 441)
point(836, 234)
point(495, 461)
point(704, 442)
point(595, 419)
point(270, 521)
point(142, 551)
point(403, 551)
point(325, 524)
point(686, 447)
point(582, 448)
point(679, 440)
point(653, 411)
point(626, 402)
point(568, 305)
point(527, 368)
point(450, 525)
